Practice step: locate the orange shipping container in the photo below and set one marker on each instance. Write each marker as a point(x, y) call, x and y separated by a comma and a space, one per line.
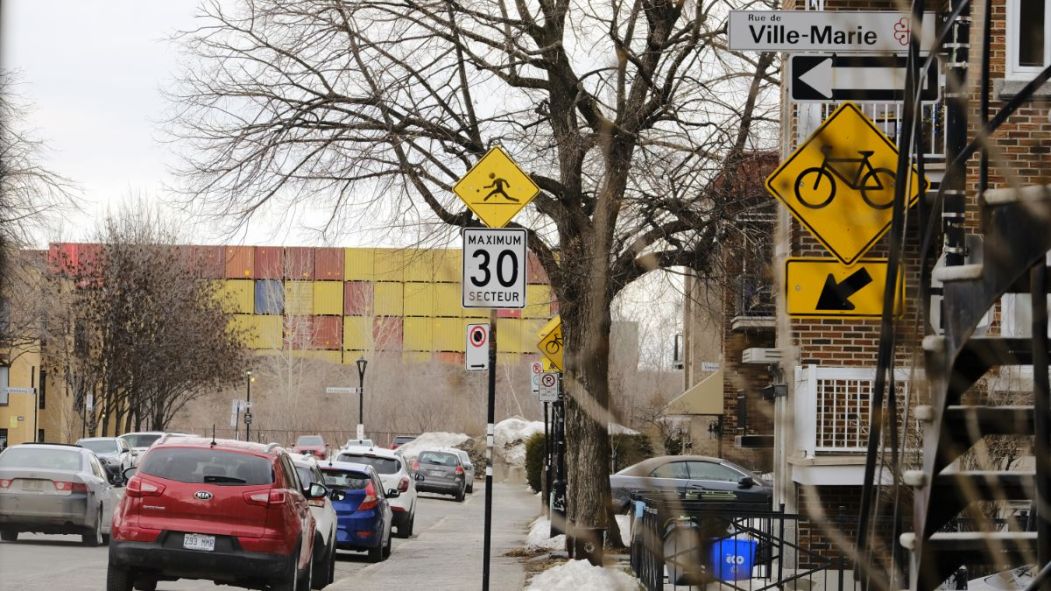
point(327, 332)
point(299, 263)
point(387, 334)
point(357, 298)
point(209, 261)
point(239, 262)
point(268, 262)
point(535, 271)
point(328, 263)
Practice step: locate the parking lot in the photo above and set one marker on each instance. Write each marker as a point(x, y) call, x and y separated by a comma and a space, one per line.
point(443, 553)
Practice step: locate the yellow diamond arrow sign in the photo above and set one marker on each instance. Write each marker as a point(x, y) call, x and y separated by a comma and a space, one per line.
point(839, 183)
point(495, 188)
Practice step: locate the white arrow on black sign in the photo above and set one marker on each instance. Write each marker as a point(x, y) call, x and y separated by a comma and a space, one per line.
point(855, 78)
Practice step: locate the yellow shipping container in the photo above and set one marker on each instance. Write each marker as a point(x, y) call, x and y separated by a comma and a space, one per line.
point(327, 356)
point(263, 332)
point(538, 301)
point(388, 299)
point(419, 334)
point(359, 264)
point(450, 334)
point(237, 295)
point(529, 338)
point(419, 265)
point(390, 264)
point(509, 335)
point(328, 298)
point(420, 299)
point(357, 333)
point(448, 265)
point(447, 300)
point(415, 357)
point(474, 313)
point(299, 298)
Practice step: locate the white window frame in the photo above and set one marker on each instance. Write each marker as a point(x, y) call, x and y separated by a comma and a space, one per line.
point(1012, 70)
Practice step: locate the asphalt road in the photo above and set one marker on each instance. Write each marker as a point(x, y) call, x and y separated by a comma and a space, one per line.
point(445, 552)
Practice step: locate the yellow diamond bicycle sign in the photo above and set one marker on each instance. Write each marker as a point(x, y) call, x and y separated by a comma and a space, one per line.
point(551, 343)
point(495, 188)
point(839, 183)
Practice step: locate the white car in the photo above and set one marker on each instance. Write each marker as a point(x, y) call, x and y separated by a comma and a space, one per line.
point(140, 442)
point(394, 474)
point(325, 516)
point(468, 467)
point(113, 452)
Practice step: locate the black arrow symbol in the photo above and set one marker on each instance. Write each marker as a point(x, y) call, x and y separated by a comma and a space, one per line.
point(836, 296)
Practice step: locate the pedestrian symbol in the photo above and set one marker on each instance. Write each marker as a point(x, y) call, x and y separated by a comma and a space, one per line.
point(496, 189)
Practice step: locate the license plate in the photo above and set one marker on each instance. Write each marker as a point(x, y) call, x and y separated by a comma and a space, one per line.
point(436, 472)
point(198, 542)
point(33, 485)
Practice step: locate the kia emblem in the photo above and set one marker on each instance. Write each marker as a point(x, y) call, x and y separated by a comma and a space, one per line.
point(203, 495)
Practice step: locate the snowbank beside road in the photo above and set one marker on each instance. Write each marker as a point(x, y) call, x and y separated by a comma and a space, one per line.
point(510, 436)
point(432, 440)
point(580, 575)
point(539, 532)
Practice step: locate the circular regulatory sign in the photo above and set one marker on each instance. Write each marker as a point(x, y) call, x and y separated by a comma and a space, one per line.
point(478, 336)
point(537, 368)
point(548, 380)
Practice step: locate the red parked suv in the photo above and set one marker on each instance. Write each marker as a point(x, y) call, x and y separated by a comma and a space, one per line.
point(229, 511)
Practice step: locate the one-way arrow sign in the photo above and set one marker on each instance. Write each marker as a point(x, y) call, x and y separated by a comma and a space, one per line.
point(826, 288)
point(819, 78)
point(836, 296)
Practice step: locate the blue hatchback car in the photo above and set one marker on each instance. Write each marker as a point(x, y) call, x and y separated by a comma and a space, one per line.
point(364, 516)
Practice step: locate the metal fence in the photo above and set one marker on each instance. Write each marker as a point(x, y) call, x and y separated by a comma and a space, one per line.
point(335, 438)
point(696, 544)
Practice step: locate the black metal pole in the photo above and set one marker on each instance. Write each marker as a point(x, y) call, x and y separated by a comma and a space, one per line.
point(953, 208)
point(248, 409)
point(489, 434)
point(36, 405)
point(1041, 410)
point(361, 404)
point(546, 484)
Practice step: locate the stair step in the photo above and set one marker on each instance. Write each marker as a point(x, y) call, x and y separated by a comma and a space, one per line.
point(958, 273)
point(997, 197)
point(977, 541)
point(986, 485)
point(942, 553)
point(989, 420)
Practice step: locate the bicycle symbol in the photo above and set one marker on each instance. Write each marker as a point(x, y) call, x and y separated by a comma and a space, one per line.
point(553, 346)
point(876, 185)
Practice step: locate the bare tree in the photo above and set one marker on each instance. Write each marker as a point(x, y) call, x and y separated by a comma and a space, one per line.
point(624, 113)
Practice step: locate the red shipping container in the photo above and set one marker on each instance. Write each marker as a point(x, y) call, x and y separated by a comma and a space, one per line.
point(357, 298)
point(299, 332)
point(535, 273)
point(239, 263)
point(299, 262)
point(450, 358)
point(387, 334)
point(209, 261)
point(508, 313)
point(328, 263)
point(90, 257)
point(327, 332)
point(269, 262)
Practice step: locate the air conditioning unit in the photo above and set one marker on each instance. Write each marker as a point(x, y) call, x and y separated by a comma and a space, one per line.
point(761, 356)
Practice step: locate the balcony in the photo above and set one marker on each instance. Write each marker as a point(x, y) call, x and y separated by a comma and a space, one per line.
point(808, 116)
point(753, 304)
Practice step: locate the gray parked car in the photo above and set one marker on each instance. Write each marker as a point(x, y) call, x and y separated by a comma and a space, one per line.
point(114, 452)
point(55, 489)
point(699, 477)
point(440, 472)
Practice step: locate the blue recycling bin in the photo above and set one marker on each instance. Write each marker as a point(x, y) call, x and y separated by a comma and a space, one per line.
point(733, 558)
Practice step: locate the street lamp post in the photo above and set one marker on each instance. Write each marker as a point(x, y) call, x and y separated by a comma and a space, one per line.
point(362, 362)
point(248, 406)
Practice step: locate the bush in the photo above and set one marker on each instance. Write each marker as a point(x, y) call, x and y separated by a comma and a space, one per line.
point(628, 450)
point(534, 462)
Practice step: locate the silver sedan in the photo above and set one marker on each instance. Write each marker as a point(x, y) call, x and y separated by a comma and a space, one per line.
point(55, 489)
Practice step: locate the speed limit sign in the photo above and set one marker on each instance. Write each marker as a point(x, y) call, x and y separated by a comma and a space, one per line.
point(494, 268)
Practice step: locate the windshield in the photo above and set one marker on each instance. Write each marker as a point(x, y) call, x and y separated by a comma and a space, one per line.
point(100, 446)
point(46, 459)
point(345, 479)
point(143, 440)
point(382, 465)
point(439, 458)
point(213, 466)
point(310, 440)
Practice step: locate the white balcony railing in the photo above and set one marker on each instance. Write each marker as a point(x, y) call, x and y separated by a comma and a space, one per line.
point(832, 408)
point(808, 117)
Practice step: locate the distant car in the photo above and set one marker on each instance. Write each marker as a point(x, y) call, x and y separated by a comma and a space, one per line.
point(701, 477)
point(325, 516)
point(440, 472)
point(140, 442)
point(311, 444)
point(114, 452)
point(233, 512)
point(468, 467)
point(400, 440)
point(359, 443)
point(363, 510)
point(55, 489)
point(394, 474)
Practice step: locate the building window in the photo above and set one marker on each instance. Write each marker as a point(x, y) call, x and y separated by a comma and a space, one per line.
point(42, 390)
point(1028, 32)
point(40, 435)
point(4, 383)
point(3, 438)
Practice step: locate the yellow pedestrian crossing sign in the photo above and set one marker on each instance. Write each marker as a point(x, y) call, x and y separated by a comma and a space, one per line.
point(839, 183)
point(495, 188)
point(551, 343)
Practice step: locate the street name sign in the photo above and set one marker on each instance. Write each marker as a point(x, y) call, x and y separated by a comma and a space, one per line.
point(826, 288)
point(340, 390)
point(549, 388)
point(477, 356)
point(839, 183)
point(495, 188)
point(820, 30)
point(494, 268)
point(822, 78)
point(550, 344)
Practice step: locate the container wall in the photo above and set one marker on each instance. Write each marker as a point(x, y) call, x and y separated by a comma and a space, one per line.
point(327, 332)
point(420, 299)
point(391, 264)
point(299, 263)
point(326, 356)
point(450, 358)
point(529, 341)
point(299, 332)
point(209, 261)
point(239, 262)
point(269, 262)
point(389, 298)
point(328, 298)
point(328, 264)
point(237, 295)
point(448, 265)
point(419, 334)
point(415, 357)
point(269, 297)
point(357, 333)
point(357, 298)
point(448, 300)
point(538, 302)
point(509, 336)
point(419, 265)
point(262, 332)
point(535, 271)
point(359, 264)
point(509, 313)
point(299, 297)
point(450, 334)
point(387, 334)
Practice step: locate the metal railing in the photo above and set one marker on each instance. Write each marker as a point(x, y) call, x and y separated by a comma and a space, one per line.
point(809, 116)
point(755, 296)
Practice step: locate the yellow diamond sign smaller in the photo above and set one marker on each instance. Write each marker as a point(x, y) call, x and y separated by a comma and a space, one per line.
point(826, 288)
point(840, 182)
point(551, 343)
point(495, 188)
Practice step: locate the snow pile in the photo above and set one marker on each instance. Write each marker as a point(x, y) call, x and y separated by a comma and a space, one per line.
point(624, 523)
point(433, 440)
point(580, 575)
point(538, 538)
point(510, 436)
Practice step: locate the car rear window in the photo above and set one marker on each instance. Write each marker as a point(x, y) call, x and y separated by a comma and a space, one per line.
point(439, 458)
point(404, 439)
point(345, 479)
point(212, 466)
point(310, 440)
point(141, 440)
point(45, 459)
point(100, 446)
point(382, 465)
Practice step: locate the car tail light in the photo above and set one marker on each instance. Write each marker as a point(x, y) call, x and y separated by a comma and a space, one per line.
point(265, 497)
point(416, 466)
point(70, 487)
point(403, 485)
point(138, 488)
point(459, 470)
point(5, 483)
point(371, 500)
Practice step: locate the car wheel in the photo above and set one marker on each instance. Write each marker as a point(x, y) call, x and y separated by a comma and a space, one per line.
point(460, 496)
point(306, 579)
point(387, 549)
point(290, 580)
point(9, 535)
point(331, 576)
point(409, 526)
point(146, 584)
point(94, 538)
point(320, 564)
point(470, 489)
point(118, 579)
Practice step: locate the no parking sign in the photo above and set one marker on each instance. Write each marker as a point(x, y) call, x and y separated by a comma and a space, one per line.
point(477, 356)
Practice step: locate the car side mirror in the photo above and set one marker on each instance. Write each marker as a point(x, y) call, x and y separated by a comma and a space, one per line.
point(316, 490)
point(129, 472)
point(418, 477)
point(393, 493)
point(338, 495)
point(746, 482)
point(116, 478)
